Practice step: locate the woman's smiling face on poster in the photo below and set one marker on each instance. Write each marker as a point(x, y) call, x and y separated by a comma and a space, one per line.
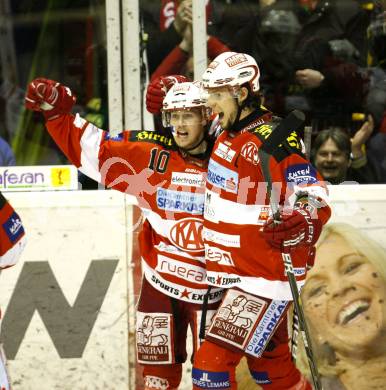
point(344, 299)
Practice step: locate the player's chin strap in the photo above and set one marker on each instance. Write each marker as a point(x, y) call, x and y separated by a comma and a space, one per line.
point(240, 107)
point(239, 111)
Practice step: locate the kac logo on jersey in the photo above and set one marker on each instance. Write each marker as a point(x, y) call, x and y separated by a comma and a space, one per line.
point(222, 177)
point(186, 234)
point(13, 227)
point(301, 174)
point(250, 152)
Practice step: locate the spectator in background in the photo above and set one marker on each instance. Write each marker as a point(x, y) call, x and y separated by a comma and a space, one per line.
point(330, 50)
point(310, 52)
point(321, 46)
point(376, 98)
point(339, 158)
point(234, 23)
point(180, 59)
point(274, 46)
point(7, 157)
point(164, 23)
point(345, 302)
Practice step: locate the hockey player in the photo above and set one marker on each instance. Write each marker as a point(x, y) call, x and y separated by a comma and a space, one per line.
point(239, 256)
point(166, 174)
point(12, 243)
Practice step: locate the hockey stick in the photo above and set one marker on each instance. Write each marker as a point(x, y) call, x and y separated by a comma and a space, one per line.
point(289, 124)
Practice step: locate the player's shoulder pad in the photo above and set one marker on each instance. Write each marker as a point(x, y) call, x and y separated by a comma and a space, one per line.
point(292, 145)
point(264, 130)
point(152, 137)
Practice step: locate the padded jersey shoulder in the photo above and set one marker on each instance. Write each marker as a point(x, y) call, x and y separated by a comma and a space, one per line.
point(292, 144)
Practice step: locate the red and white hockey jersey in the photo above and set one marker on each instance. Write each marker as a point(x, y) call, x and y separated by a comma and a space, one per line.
point(237, 205)
point(169, 189)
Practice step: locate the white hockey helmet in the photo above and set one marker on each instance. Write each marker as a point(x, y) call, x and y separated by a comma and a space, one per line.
point(232, 69)
point(185, 96)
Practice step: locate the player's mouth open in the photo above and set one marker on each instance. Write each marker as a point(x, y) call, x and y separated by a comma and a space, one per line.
point(182, 133)
point(352, 311)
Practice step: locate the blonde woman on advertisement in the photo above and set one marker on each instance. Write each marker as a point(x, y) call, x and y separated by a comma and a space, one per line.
point(345, 302)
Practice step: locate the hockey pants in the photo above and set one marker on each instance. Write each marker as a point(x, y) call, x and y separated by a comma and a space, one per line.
point(162, 324)
point(216, 360)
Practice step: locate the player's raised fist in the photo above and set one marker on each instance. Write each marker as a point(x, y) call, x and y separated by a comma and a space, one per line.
point(157, 90)
point(49, 97)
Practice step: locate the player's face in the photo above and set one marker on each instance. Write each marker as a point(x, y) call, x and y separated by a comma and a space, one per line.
point(223, 103)
point(331, 162)
point(344, 299)
point(188, 127)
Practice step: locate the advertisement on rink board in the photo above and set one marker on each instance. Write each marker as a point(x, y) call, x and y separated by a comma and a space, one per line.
point(39, 178)
point(64, 305)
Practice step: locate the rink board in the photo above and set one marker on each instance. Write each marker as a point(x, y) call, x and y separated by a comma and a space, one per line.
point(66, 323)
point(363, 206)
point(75, 271)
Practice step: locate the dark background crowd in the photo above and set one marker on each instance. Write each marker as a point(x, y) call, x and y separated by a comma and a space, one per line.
point(326, 58)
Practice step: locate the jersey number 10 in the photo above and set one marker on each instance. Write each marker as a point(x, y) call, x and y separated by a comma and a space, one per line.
point(159, 160)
